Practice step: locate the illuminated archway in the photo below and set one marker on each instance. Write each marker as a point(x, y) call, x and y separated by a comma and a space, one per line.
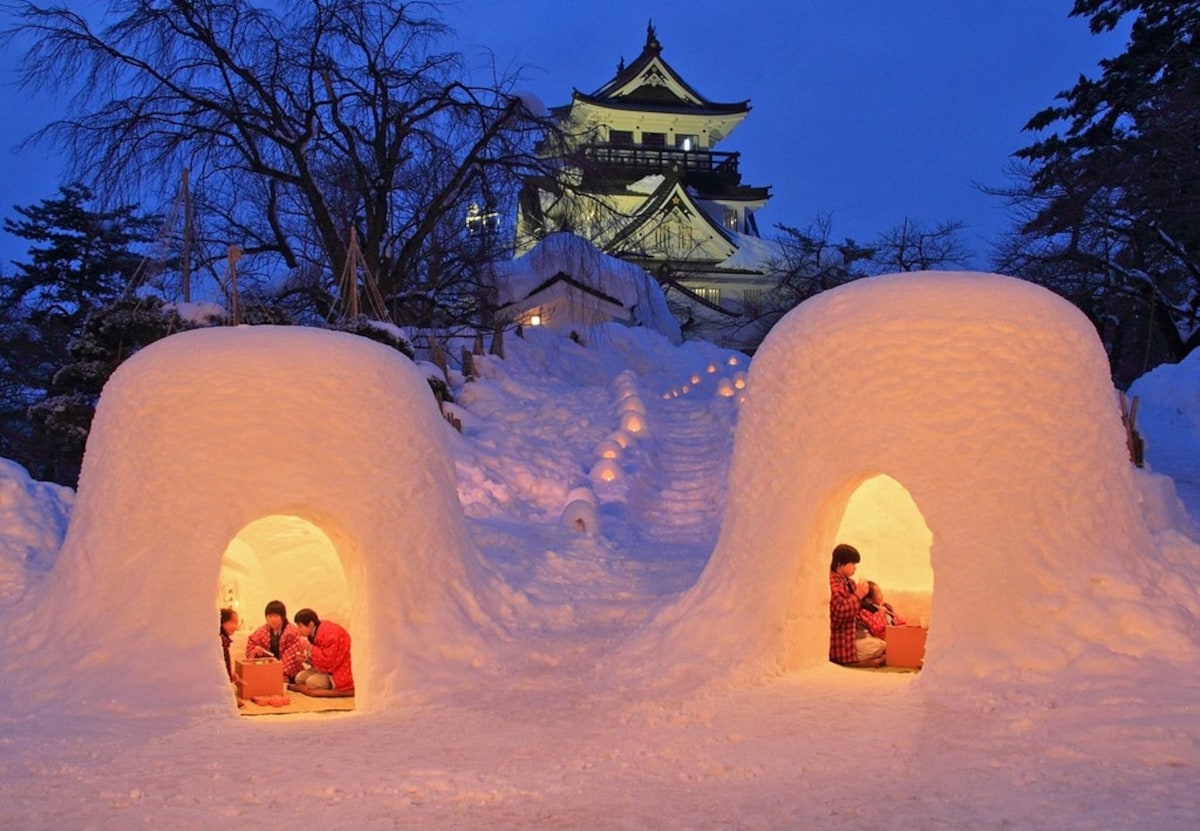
point(286, 558)
point(883, 522)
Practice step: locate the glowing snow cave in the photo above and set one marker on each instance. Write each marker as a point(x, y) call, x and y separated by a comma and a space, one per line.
point(975, 414)
point(240, 465)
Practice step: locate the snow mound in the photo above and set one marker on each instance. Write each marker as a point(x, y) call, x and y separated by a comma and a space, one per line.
point(989, 401)
point(1168, 417)
point(206, 434)
point(33, 521)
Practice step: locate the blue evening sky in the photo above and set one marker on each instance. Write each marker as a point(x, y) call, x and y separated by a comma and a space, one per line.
point(870, 110)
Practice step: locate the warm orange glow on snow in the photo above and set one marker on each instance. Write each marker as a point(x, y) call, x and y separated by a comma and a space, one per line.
point(283, 558)
point(725, 388)
point(608, 449)
point(886, 526)
point(633, 423)
point(606, 470)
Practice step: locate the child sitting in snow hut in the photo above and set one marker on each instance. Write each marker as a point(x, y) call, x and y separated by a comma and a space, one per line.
point(229, 625)
point(328, 651)
point(876, 614)
point(844, 606)
point(279, 638)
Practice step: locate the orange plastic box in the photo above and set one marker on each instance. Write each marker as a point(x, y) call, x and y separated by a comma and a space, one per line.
point(906, 646)
point(259, 676)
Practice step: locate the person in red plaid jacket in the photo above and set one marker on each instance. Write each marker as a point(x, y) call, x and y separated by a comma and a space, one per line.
point(277, 638)
point(845, 603)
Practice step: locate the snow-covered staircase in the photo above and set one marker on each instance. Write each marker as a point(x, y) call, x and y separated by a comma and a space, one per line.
point(681, 497)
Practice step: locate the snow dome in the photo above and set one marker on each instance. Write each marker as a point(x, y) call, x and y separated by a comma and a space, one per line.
point(962, 431)
point(240, 465)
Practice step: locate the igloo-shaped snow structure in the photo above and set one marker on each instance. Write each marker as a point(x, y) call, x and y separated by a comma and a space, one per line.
point(989, 400)
point(200, 442)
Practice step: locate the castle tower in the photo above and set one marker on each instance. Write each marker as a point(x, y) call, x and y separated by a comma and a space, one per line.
point(642, 180)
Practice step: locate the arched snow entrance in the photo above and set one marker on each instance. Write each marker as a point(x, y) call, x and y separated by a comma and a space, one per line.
point(883, 522)
point(285, 558)
point(990, 399)
point(196, 440)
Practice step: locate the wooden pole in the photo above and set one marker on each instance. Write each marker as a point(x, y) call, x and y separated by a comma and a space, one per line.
point(235, 298)
point(185, 261)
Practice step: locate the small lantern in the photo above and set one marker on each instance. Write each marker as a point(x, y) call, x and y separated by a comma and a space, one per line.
point(633, 423)
point(609, 449)
point(605, 470)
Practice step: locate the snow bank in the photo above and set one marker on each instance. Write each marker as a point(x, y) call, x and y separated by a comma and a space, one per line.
point(33, 520)
point(1168, 417)
point(198, 438)
point(989, 400)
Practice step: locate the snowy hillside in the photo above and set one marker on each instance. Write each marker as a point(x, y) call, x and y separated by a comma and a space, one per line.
point(592, 480)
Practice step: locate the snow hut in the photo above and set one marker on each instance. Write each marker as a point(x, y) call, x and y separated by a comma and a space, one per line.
point(568, 285)
point(985, 404)
point(255, 462)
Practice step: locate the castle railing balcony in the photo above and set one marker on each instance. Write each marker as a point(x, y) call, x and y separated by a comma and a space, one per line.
point(624, 161)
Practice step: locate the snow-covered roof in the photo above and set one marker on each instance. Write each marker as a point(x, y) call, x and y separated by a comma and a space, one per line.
point(564, 253)
point(755, 254)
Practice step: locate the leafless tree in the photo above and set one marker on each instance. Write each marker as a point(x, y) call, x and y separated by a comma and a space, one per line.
point(911, 246)
point(298, 120)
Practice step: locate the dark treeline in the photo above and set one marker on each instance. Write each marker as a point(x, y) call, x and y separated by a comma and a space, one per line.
point(337, 143)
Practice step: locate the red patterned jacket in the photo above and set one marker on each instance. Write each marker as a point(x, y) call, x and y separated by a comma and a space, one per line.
point(879, 620)
point(331, 654)
point(291, 647)
point(843, 615)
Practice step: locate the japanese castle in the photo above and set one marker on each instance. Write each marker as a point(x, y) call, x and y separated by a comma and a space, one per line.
point(640, 177)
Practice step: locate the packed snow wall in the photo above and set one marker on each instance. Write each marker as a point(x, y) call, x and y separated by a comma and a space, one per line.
point(989, 400)
point(198, 438)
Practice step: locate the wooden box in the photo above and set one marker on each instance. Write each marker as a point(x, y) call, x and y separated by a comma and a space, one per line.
point(258, 676)
point(905, 646)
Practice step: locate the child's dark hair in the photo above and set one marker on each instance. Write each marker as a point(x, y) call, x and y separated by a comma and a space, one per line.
point(276, 607)
point(868, 602)
point(843, 554)
point(227, 615)
point(306, 616)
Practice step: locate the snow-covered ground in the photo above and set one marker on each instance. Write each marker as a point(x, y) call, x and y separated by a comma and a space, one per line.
point(545, 734)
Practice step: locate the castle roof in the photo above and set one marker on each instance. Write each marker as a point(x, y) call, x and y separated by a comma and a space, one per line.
point(649, 82)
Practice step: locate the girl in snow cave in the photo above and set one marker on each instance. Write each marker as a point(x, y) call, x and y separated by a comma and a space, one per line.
point(877, 614)
point(845, 603)
point(278, 638)
point(229, 625)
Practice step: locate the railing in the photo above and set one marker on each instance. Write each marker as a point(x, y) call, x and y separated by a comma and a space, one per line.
point(648, 160)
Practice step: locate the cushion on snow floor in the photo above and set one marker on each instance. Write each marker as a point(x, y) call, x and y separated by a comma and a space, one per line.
point(315, 693)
